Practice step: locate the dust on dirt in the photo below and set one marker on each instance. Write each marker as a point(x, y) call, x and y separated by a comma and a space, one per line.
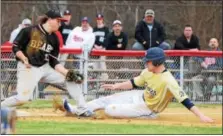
point(171, 116)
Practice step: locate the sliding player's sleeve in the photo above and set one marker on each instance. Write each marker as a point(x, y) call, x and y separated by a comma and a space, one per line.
point(139, 81)
point(177, 92)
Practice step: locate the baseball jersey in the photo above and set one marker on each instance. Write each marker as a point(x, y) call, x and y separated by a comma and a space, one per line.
point(160, 88)
point(37, 45)
point(65, 30)
point(101, 35)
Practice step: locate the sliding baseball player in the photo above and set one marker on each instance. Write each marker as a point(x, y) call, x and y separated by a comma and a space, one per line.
point(160, 88)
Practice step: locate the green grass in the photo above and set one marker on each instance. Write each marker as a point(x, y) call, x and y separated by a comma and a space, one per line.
point(54, 127)
point(41, 127)
point(48, 104)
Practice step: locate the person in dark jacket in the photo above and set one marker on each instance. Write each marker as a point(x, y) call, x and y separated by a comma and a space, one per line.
point(101, 32)
point(66, 27)
point(187, 40)
point(204, 88)
point(117, 40)
point(149, 33)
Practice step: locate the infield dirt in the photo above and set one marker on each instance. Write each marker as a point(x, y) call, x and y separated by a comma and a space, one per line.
point(171, 116)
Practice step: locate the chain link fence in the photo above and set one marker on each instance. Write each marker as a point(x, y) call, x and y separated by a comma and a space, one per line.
point(201, 83)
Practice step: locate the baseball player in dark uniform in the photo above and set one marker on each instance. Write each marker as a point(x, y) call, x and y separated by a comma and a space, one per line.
point(36, 49)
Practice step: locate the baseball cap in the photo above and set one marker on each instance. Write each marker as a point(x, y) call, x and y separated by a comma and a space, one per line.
point(153, 54)
point(55, 15)
point(117, 22)
point(149, 12)
point(99, 16)
point(67, 12)
point(26, 21)
point(85, 19)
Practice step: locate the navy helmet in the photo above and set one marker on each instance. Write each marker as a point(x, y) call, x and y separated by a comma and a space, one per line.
point(156, 55)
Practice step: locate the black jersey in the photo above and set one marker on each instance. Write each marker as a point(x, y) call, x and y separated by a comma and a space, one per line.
point(65, 31)
point(37, 45)
point(101, 35)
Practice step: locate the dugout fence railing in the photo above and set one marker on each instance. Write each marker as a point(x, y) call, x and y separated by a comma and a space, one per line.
point(202, 85)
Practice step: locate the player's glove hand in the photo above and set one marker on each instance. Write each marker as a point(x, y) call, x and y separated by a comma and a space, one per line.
point(73, 76)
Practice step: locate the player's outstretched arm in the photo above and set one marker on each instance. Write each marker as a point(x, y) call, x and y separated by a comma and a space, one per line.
point(189, 105)
point(202, 117)
point(124, 86)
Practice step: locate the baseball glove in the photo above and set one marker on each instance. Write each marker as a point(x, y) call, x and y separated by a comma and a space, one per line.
point(73, 76)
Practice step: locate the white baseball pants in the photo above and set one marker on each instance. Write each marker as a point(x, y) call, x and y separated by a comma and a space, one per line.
point(27, 79)
point(128, 104)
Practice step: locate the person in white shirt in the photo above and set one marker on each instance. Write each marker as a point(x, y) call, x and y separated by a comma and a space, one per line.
point(25, 23)
point(80, 36)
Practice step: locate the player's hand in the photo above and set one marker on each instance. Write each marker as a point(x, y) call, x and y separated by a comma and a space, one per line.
point(26, 63)
point(110, 86)
point(206, 119)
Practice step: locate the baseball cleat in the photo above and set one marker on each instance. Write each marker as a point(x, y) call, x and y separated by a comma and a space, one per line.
point(87, 114)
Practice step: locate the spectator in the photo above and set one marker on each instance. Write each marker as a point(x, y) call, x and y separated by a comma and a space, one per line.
point(204, 87)
point(187, 40)
point(25, 23)
point(117, 40)
point(149, 33)
point(66, 27)
point(101, 32)
point(60, 38)
point(81, 36)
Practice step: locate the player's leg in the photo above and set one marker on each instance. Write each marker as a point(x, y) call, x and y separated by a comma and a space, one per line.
point(127, 97)
point(75, 91)
point(135, 107)
point(27, 80)
point(139, 110)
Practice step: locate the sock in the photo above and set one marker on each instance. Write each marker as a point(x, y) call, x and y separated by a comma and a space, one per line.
point(72, 108)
